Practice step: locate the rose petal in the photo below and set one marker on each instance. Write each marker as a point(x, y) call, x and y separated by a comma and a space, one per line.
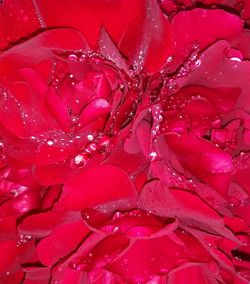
point(196, 273)
point(58, 109)
point(94, 110)
point(189, 208)
point(85, 189)
point(60, 242)
point(146, 258)
point(42, 224)
point(36, 81)
point(203, 159)
point(17, 20)
point(202, 26)
point(9, 253)
point(110, 51)
point(37, 275)
point(51, 174)
point(37, 49)
point(222, 72)
point(13, 278)
point(154, 43)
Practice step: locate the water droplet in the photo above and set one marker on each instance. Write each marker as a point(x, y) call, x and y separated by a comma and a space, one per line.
point(117, 215)
point(169, 59)
point(234, 54)
point(235, 59)
point(86, 216)
point(153, 155)
point(233, 201)
point(14, 192)
point(116, 229)
point(50, 142)
point(91, 147)
point(238, 258)
point(74, 118)
point(39, 15)
point(80, 160)
point(78, 264)
point(72, 57)
point(197, 63)
point(90, 137)
point(104, 141)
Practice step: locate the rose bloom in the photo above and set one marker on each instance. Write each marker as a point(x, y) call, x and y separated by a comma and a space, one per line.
point(124, 142)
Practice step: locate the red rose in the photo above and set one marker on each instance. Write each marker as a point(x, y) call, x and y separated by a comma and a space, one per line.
point(125, 134)
point(65, 104)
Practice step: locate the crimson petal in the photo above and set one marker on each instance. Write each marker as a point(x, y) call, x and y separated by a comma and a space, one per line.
point(95, 186)
point(202, 26)
point(17, 19)
point(189, 208)
point(37, 49)
point(196, 273)
point(60, 242)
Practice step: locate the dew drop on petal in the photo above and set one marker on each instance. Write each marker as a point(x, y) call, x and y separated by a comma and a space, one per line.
point(235, 59)
point(197, 63)
point(153, 155)
point(104, 141)
point(234, 54)
point(74, 118)
point(169, 59)
point(91, 147)
point(23, 239)
point(72, 57)
point(116, 229)
point(78, 265)
point(50, 142)
point(234, 202)
point(80, 160)
point(90, 137)
point(14, 192)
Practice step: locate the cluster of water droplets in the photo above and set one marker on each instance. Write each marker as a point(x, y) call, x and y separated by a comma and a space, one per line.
point(23, 239)
point(170, 81)
point(82, 56)
point(79, 264)
point(165, 93)
point(97, 144)
point(157, 116)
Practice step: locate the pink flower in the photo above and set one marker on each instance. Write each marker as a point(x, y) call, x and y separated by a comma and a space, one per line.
point(125, 138)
